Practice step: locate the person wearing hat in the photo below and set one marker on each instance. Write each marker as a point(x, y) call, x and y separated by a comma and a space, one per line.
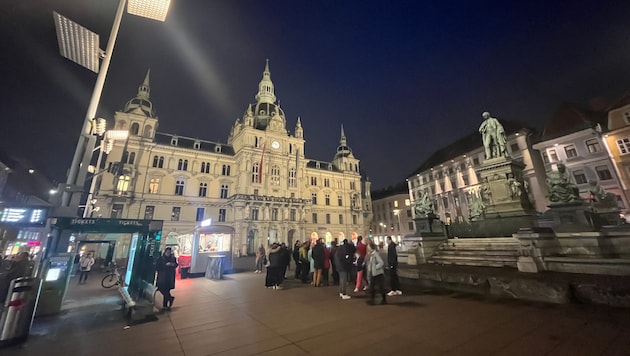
point(166, 266)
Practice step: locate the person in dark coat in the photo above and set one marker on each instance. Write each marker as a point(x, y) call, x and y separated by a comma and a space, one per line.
point(392, 261)
point(343, 262)
point(335, 274)
point(296, 258)
point(275, 269)
point(166, 266)
point(319, 255)
point(286, 259)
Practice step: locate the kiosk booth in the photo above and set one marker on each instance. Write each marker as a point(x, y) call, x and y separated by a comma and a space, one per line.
point(206, 242)
point(143, 251)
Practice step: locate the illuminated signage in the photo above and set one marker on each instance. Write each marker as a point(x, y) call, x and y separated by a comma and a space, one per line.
point(24, 216)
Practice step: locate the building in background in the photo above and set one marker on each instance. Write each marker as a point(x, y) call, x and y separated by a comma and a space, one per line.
point(260, 184)
point(392, 215)
point(25, 195)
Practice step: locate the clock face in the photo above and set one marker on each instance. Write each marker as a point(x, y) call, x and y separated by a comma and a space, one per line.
point(275, 144)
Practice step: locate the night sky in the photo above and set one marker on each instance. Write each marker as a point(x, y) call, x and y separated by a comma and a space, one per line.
point(404, 77)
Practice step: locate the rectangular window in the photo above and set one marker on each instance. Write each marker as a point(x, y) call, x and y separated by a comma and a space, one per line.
point(352, 186)
point(149, 210)
point(254, 213)
point(313, 180)
point(327, 199)
point(514, 147)
point(314, 198)
point(225, 170)
point(339, 200)
point(327, 218)
point(553, 156)
point(274, 214)
point(117, 211)
point(354, 219)
point(603, 173)
point(179, 187)
point(175, 213)
point(545, 157)
point(314, 218)
point(580, 177)
point(593, 146)
point(222, 215)
point(570, 151)
point(123, 184)
point(224, 191)
point(408, 213)
point(292, 215)
point(326, 182)
point(340, 219)
point(445, 202)
point(624, 145)
point(410, 226)
point(200, 214)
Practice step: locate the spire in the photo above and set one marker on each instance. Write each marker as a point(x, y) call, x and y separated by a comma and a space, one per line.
point(342, 141)
point(142, 103)
point(265, 87)
point(299, 132)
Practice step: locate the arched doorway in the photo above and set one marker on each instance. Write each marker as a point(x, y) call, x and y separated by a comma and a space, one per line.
point(291, 237)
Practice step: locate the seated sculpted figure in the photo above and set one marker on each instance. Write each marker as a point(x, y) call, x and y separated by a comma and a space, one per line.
point(561, 189)
point(423, 205)
point(477, 208)
point(600, 196)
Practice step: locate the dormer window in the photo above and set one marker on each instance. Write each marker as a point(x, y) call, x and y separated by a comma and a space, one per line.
point(217, 148)
point(197, 145)
point(173, 141)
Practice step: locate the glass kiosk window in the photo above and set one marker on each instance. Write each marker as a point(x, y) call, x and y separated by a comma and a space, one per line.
point(214, 242)
point(132, 256)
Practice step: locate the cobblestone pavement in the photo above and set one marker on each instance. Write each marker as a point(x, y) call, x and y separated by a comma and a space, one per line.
point(239, 316)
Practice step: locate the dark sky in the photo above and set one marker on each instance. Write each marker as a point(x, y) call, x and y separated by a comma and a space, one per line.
point(404, 77)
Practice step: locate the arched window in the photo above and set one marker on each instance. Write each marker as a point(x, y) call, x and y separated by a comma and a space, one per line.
point(155, 161)
point(225, 171)
point(161, 164)
point(132, 157)
point(203, 189)
point(135, 127)
point(148, 131)
point(275, 175)
point(292, 180)
point(185, 165)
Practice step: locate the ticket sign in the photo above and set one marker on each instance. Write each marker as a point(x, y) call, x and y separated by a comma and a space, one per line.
point(24, 216)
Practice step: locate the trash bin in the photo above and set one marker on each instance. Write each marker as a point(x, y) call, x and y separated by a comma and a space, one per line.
point(17, 310)
point(214, 270)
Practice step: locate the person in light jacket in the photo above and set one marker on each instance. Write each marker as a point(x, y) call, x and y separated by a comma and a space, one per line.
point(375, 270)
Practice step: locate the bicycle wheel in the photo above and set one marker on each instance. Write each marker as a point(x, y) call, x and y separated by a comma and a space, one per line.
point(109, 281)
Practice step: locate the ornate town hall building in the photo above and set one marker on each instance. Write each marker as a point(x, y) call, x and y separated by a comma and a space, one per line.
point(259, 184)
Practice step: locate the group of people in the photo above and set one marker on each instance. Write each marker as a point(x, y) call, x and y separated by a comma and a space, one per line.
point(360, 266)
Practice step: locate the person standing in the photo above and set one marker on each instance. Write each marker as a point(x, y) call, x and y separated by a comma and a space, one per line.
point(85, 266)
point(165, 268)
point(275, 269)
point(319, 255)
point(325, 273)
point(392, 262)
point(361, 253)
point(375, 271)
point(296, 258)
point(261, 259)
point(343, 262)
point(304, 263)
point(333, 250)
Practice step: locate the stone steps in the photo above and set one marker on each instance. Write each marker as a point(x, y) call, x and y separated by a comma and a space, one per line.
point(455, 252)
point(480, 262)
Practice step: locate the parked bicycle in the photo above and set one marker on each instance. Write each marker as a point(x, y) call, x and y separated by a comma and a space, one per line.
point(113, 278)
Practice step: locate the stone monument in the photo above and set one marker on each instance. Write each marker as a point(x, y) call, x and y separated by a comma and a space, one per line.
point(430, 232)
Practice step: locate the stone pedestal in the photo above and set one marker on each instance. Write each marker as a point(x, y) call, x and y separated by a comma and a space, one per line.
point(503, 189)
point(430, 233)
point(568, 217)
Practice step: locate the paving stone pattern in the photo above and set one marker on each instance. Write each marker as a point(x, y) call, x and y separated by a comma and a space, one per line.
point(239, 316)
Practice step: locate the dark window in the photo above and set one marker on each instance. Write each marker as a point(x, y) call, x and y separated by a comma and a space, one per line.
point(203, 189)
point(593, 145)
point(175, 213)
point(149, 210)
point(314, 198)
point(580, 177)
point(224, 191)
point(132, 157)
point(179, 187)
point(117, 211)
point(603, 173)
point(514, 147)
point(161, 164)
point(155, 161)
point(314, 218)
point(200, 214)
point(292, 215)
point(222, 215)
point(570, 151)
point(254, 213)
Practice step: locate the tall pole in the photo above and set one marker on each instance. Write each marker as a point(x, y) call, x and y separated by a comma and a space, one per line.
point(87, 212)
point(83, 152)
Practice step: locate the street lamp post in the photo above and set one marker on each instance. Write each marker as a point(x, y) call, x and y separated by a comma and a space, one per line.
point(73, 46)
